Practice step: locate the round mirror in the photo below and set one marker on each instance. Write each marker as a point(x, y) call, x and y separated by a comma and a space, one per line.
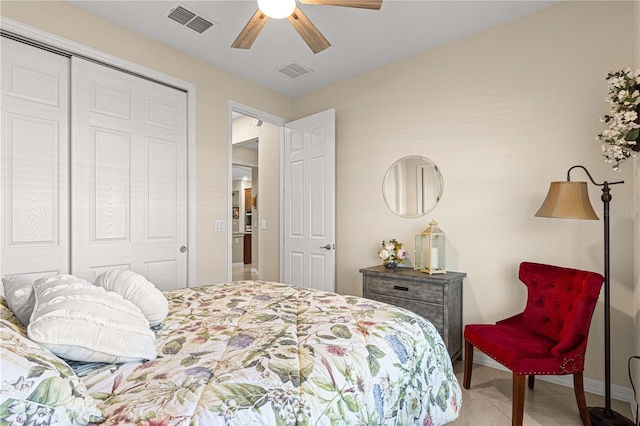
point(412, 186)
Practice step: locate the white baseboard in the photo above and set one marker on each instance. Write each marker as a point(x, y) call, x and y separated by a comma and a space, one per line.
point(620, 393)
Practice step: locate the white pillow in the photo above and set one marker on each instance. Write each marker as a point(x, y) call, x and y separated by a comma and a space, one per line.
point(79, 321)
point(136, 289)
point(18, 290)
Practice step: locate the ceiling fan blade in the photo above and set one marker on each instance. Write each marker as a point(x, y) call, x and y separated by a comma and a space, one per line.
point(250, 31)
point(360, 4)
point(311, 35)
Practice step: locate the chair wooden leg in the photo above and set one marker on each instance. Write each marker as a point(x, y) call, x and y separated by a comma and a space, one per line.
point(532, 381)
point(468, 364)
point(517, 408)
point(578, 389)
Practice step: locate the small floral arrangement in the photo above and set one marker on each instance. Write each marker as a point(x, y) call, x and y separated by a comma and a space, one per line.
point(620, 140)
point(392, 251)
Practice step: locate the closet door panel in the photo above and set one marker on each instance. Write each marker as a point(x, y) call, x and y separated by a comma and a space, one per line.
point(110, 185)
point(32, 180)
point(35, 165)
point(130, 142)
point(161, 208)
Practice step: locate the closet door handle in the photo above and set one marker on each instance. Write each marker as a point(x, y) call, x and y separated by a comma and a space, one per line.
point(397, 287)
point(183, 249)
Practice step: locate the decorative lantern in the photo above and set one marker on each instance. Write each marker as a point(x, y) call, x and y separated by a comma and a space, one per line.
point(430, 250)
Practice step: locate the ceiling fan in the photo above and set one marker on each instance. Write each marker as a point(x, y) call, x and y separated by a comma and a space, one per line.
point(278, 9)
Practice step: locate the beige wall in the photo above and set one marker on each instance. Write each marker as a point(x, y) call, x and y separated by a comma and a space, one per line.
point(245, 156)
point(269, 203)
point(502, 113)
point(214, 89)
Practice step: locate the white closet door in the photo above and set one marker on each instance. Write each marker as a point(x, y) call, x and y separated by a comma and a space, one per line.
point(129, 195)
point(35, 161)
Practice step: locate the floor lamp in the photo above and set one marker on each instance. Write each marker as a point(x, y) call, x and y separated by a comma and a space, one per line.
point(570, 200)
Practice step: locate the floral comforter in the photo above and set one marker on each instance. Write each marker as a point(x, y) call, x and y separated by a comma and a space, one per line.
point(263, 353)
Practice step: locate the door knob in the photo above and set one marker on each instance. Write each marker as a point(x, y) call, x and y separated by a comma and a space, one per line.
point(327, 247)
point(183, 249)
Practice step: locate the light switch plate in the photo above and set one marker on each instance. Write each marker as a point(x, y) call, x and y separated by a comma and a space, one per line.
point(219, 225)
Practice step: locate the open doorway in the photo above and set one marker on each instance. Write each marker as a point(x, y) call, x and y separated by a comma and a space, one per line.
point(243, 249)
point(254, 197)
point(276, 195)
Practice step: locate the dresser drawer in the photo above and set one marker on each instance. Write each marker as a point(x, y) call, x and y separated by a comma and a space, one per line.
point(404, 289)
point(432, 313)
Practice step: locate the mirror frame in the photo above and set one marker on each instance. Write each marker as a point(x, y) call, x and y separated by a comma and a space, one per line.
point(389, 178)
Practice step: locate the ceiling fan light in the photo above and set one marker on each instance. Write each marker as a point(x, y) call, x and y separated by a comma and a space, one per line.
point(277, 9)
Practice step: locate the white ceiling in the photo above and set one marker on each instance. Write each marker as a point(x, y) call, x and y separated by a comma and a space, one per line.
point(361, 39)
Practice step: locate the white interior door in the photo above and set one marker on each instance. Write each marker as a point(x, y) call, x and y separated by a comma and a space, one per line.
point(35, 161)
point(129, 196)
point(309, 202)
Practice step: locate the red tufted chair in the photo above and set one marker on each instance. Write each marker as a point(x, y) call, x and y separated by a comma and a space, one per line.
point(548, 337)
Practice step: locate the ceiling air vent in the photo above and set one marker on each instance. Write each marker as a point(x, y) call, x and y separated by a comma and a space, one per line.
point(294, 70)
point(199, 24)
point(191, 19)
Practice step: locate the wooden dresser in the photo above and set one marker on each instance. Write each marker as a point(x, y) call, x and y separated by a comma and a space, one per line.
point(437, 298)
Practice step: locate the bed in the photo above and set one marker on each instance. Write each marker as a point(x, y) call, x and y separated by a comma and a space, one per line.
point(248, 353)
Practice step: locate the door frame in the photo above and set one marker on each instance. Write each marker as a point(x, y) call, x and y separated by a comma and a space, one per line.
point(238, 107)
point(87, 52)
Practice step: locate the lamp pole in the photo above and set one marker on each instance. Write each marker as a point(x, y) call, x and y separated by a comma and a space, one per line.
point(606, 198)
point(605, 416)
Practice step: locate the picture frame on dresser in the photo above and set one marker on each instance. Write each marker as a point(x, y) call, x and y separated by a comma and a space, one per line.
point(437, 298)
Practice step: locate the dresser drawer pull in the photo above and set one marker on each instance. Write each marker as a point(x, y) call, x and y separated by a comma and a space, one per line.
point(397, 287)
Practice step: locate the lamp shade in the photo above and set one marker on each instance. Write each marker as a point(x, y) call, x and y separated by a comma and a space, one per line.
point(567, 200)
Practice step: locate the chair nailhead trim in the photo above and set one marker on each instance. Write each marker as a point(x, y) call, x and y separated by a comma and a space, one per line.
point(577, 363)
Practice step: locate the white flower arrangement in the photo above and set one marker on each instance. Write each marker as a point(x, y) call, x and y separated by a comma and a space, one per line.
point(392, 251)
point(620, 140)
